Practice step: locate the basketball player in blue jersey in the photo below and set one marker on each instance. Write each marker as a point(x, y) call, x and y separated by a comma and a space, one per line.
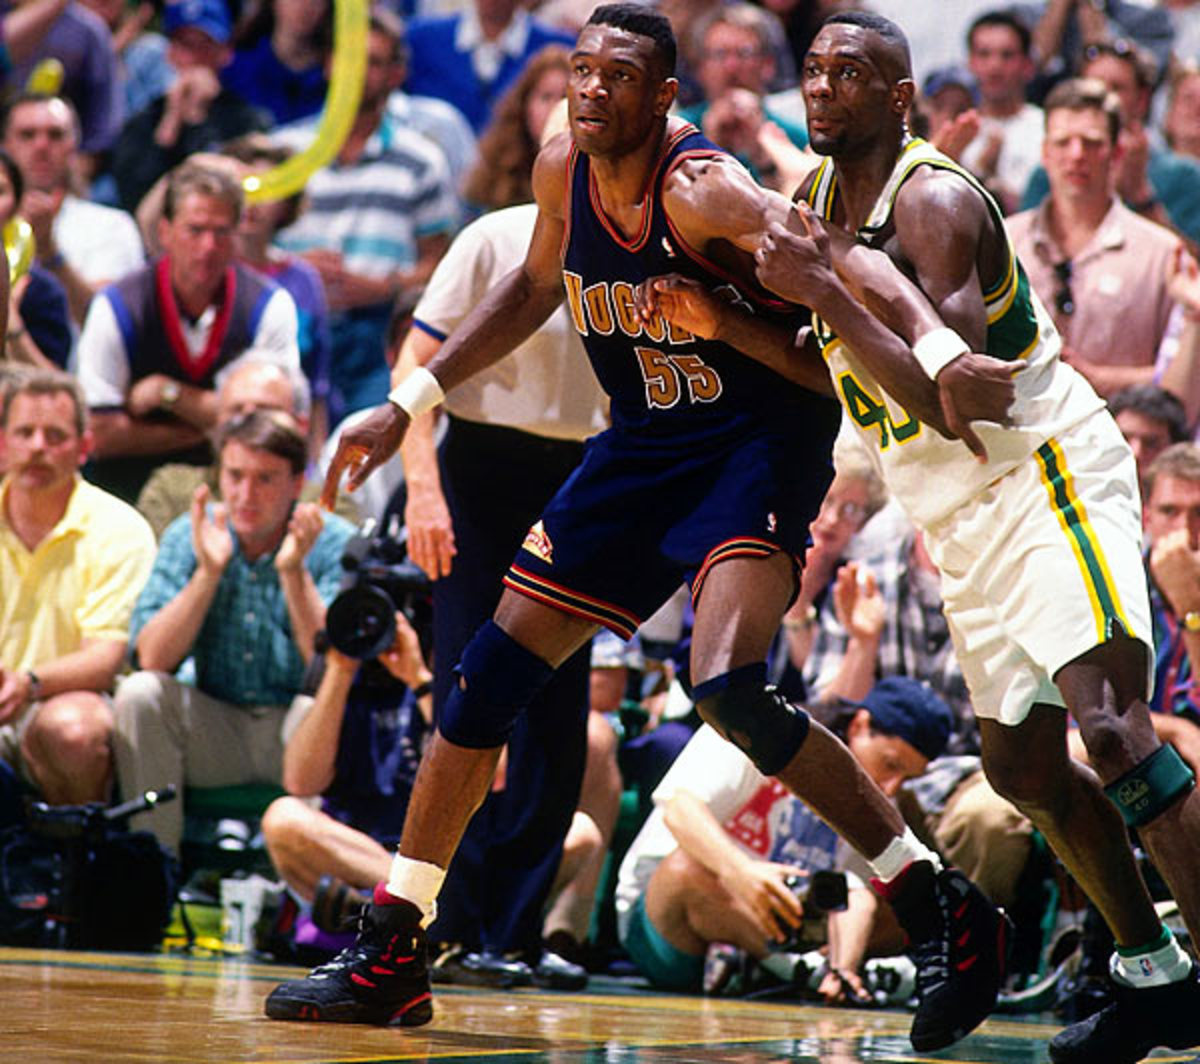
point(711, 472)
point(1038, 547)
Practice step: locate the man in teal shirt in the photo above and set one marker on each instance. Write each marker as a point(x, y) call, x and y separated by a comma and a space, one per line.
point(240, 587)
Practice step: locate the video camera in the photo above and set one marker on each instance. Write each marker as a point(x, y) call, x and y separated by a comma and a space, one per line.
point(379, 580)
point(73, 876)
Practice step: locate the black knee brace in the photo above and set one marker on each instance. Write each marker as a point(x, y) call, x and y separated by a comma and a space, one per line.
point(753, 716)
point(1152, 786)
point(495, 680)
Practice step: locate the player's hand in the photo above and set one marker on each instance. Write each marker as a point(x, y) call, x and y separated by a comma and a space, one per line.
point(975, 387)
point(793, 260)
point(363, 448)
point(430, 530)
point(682, 302)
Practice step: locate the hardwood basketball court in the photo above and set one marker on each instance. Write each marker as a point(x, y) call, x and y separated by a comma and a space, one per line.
point(108, 1008)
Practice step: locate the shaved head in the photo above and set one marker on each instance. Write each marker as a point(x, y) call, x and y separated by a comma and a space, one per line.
point(890, 47)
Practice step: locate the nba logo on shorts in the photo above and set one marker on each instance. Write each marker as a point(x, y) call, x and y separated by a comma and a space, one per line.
point(1147, 967)
point(538, 544)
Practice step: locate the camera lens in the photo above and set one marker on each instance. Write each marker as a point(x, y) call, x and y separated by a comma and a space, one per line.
point(361, 622)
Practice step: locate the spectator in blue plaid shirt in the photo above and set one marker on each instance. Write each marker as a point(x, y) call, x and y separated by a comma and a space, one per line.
point(240, 586)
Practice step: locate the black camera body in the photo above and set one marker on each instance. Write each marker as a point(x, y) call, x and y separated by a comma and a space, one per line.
point(820, 892)
point(72, 876)
point(379, 581)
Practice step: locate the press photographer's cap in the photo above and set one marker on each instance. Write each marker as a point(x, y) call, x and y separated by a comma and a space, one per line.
point(912, 711)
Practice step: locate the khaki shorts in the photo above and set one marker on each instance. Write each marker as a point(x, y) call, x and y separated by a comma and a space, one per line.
point(12, 735)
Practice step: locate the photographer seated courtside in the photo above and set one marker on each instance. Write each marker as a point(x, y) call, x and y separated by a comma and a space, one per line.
point(728, 856)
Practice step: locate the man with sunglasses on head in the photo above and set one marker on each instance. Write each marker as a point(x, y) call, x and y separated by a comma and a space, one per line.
point(1102, 271)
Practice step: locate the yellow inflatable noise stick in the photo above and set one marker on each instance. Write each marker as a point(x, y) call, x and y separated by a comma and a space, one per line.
point(47, 77)
point(19, 247)
point(350, 27)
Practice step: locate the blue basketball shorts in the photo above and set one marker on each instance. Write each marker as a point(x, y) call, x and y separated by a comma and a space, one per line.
point(641, 515)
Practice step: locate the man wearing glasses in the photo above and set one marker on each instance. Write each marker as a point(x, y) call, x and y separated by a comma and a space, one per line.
point(1102, 271)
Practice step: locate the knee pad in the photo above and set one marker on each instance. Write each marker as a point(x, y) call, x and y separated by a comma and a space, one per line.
point(495, 680)
point(752, 715)
point(1150, 788)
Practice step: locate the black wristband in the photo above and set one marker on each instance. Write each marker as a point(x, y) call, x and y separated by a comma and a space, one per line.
point(423, 689)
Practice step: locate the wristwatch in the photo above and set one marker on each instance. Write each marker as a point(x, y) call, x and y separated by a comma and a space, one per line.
point(169, 393)
point(1191, 620)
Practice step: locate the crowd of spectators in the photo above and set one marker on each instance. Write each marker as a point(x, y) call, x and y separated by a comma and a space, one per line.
point(176, 358)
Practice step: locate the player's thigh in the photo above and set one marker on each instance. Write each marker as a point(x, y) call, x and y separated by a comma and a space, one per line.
point(739, 612)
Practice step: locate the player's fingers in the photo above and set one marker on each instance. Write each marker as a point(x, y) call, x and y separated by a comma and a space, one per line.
point(333, 475)
point(968, 435)
point(645, 300)
point(362, 464)
point(804, 217)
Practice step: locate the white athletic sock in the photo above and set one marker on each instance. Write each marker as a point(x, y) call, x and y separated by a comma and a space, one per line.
point(1159, 963)
point(900, 853)
point(418, 882)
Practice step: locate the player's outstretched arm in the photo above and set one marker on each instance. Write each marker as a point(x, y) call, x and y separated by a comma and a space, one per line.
point(507, 315)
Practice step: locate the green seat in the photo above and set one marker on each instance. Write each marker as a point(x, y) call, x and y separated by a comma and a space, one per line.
point(205, 808)
point(243, 801)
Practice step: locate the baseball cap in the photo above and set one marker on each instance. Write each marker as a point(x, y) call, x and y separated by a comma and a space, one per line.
point(209, 16)
point(912, 711)
point(944, 77)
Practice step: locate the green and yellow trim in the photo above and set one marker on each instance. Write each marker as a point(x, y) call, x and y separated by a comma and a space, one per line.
point(1071, 514)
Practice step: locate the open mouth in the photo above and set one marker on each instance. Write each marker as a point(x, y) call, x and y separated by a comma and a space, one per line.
point(592, 123)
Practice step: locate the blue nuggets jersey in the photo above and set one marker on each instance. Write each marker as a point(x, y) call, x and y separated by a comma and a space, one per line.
point(662, 378)
point(711, 455)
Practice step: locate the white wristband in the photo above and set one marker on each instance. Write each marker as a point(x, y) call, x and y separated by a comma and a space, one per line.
point(417, 393)
point(937, 348)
